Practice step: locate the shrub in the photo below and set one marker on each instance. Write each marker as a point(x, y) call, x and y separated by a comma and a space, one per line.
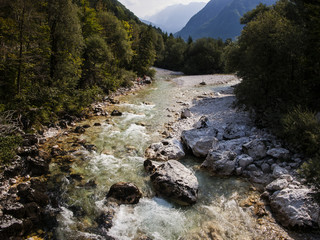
point(311, 171)
point(8, 146)
point(301, 128)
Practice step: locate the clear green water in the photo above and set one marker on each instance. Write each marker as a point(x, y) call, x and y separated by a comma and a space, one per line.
point(218, 205)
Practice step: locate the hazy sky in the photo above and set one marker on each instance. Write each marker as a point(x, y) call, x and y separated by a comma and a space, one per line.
point(143, 8)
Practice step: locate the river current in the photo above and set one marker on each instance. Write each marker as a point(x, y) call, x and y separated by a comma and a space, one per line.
point(121, 142)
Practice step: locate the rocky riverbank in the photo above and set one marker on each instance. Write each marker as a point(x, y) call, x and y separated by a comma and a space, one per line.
point(228, 143)
point(27, 207)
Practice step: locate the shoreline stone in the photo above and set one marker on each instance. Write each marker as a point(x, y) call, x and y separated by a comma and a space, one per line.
point(174, 181)
point(200, 141)
point(124, 193)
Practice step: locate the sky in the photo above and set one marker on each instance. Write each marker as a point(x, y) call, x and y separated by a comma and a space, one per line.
point(143, 8)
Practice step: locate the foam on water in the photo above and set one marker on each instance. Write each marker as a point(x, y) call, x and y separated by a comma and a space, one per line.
point(155, 218)
point(105, 162)
point(136, 131)
point(66, 217)
point(138, 107)
point(127, 117)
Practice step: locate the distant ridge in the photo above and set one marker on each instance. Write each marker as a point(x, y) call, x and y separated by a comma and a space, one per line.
point(219, 19)
point(175, 17)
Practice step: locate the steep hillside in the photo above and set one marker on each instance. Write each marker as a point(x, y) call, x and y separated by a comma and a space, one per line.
point(219, 19)
point(114, 6)
point(175, 17)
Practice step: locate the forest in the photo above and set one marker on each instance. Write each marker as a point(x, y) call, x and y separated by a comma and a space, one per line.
point(58, 56)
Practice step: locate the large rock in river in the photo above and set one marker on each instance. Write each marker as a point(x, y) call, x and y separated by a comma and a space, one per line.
point(168, 149)
point(124, 193)
point(295, 208)
point(173, 180)
point(200, 141)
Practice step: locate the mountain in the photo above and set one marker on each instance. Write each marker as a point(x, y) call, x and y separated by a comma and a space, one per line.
point(117, 8)
point(175, 17)
point(219, 19)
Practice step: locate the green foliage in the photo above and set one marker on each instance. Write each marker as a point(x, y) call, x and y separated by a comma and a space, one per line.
point(277, 56)
point(8, 146)
point(231, 57)
point(270, 61)
point(311, 171)
point(174, 54)
point(251, 15)
point(145, 52)
point(116, 36)
point(204, 57)
point(301, 128)
point(97, 62)
point(57, 56)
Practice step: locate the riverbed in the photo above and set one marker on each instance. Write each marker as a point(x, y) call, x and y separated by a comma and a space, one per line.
point(225, 206)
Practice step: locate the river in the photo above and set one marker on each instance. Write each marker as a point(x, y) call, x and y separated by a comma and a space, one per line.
point(84, 179)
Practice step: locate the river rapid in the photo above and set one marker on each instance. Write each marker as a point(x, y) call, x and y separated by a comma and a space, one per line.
point(224, 209)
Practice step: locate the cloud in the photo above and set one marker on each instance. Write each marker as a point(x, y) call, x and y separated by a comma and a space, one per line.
point(144, 8)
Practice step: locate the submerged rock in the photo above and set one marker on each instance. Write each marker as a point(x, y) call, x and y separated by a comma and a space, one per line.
point(173, 180)
point(200, 141)
point(295, 208)
point(124, 193)
point(169, 149)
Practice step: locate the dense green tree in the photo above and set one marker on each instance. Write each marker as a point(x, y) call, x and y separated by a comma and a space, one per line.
point(270, 56)
point(277, 56)
point(89, 21)
point(24, 52)
point(97, 62)
point(145, 54)
point(204, 57)
point(251, 15)
point(66, 43)
point(174, 53)
point(117, 38)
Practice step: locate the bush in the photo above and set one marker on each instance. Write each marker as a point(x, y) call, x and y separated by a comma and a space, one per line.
point(8, 146)
point(302, 129)
point(311, 171)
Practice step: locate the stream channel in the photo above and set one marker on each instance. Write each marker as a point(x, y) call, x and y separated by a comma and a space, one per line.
point(121, 142)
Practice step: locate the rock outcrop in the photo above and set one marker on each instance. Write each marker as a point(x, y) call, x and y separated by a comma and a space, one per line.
point(174, 181)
